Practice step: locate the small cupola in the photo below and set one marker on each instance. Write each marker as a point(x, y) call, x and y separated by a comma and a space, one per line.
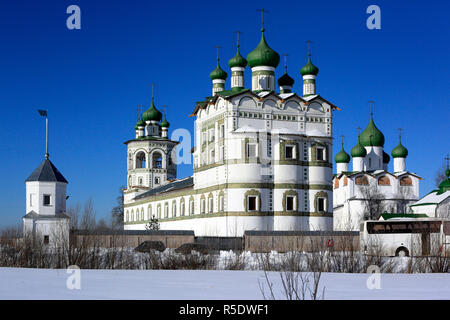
point(285, 82)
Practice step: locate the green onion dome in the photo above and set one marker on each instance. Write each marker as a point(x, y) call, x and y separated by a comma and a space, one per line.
point(386, 157)
point(164, 123)
point(371, 136)
point(358, 151)
point(263, 55)
point(445, 185)
point(399, 151)
point(342, 156)
point(309, 68)
point(218, 73)
point(237, 60)
point(140, 123)
point(152, 114)
point(285, 80)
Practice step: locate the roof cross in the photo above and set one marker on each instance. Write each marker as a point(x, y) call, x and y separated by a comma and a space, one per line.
point(371, 102)
point(447, 158)
point(262, 16)
point(237, 35)
point(217, 47)
point(308, 46)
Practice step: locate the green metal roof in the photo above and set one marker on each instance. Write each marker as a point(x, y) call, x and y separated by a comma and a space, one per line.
point(399, 151)
point(371, 136)
point(263, 55)
point(152, 114)
point(237, 60)
point(387, 216)
point(309, 68)
point(358, 151)
point(342, 156)
point(164, 123)
point(218, 73)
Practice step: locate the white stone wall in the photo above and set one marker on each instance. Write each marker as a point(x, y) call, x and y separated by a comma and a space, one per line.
point(35, 191)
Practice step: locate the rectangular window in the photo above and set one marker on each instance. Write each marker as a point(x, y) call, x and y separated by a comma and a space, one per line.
point(46, 199)
point(46, 239)
point(289, 152)
point(290, 203)
point(191, 209)
point(251, 150)
point(321, 204)
point(251, 205)
point(157, 180)
point(222, 130)
point(211, 156)
point(31, 199)
point(320, 154)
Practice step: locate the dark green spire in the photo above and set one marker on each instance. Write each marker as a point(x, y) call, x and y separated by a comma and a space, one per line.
point(152, 114)
point(218, 73)
point(309, 68)
point(237, 60)
point(358, 151)
point(399, 151)
point(263, 55)
point(342, 156)
point(371, 136)
point(165, 123)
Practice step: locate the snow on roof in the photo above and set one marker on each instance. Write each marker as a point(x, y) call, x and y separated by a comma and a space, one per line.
point(286, 95)
point(309, 98)
point(432, 198)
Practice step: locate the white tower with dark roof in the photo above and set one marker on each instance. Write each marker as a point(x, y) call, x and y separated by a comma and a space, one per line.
point(46, 218)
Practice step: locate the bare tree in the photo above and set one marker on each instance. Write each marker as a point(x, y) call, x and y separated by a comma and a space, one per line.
point(440, 174)
point(117, 211)
point(373, 201)
point(74, 214)
point(87, 221)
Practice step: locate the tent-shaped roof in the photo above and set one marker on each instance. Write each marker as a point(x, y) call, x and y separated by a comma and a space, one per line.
point(46, 172)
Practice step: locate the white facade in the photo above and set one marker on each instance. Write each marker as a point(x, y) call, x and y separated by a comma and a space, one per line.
point(261, 162)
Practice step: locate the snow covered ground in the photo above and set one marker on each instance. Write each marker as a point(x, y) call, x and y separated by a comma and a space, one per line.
point(17, 283)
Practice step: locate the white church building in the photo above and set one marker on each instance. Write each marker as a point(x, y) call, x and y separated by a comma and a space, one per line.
point(262, 159)
point(370, 189)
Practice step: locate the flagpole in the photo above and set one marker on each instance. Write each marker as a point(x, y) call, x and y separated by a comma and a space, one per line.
point(46, 138)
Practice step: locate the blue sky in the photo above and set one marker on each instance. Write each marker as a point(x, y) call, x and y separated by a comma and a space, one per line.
point(92, 80)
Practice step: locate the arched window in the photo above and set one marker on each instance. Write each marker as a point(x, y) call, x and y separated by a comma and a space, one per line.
point(127, 216)
point(384, 181)
point(174, 209)
point(182, 206)
point(159, 211)
point(157, 160)
point(336, 183)
point(406, 181)
point(191, 207)
point(166, 210)
point(140, 160)
point(362, 180)
point(132, 215)
point(149, 212)
point(142, 214)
